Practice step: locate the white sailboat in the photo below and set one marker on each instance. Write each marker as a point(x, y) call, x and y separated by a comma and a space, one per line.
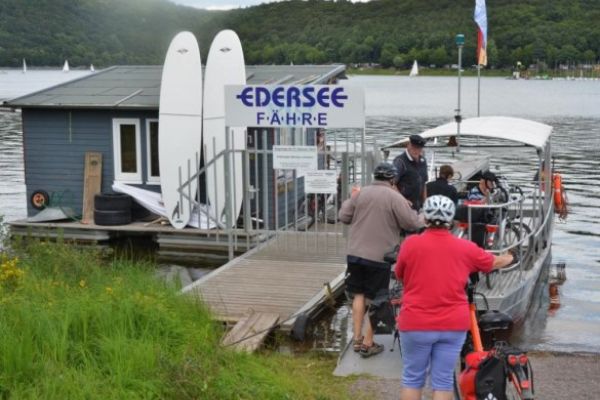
point(92, 69)
point(415, 69)
point(66, 66)
point(24, 66)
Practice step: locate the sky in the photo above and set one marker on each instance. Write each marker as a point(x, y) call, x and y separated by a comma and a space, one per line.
point(227, 4)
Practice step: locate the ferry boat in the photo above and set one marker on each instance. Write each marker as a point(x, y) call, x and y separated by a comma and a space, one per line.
point(519, 214)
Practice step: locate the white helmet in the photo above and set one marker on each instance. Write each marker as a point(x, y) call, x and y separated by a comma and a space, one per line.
point(439, 209)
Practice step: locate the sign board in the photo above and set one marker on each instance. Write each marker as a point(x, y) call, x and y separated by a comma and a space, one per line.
point(309, 106)
point(320, 181)
point(295, 157)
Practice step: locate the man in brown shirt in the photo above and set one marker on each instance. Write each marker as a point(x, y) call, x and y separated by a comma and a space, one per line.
point(377, 215)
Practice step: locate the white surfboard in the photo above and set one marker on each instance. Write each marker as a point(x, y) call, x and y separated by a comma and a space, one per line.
point(224, 66)
point(180, 127)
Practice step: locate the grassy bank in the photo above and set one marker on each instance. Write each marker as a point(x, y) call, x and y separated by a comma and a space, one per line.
point(74, 326)
point(428, 72)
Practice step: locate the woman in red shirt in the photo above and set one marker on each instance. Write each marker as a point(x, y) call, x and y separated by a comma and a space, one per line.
point(434, 268)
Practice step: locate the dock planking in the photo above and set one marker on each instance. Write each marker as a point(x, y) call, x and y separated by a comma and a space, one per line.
point(250, 331)
point(285, 276)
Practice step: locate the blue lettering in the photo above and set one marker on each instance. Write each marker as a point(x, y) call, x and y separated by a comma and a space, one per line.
point(290, 118)
point(337, 95)
point(293, 97)
point(275, 119)
point(322, 119)
point(308, 93)
point(260, 116)
point(278, 96)
point(323, 97)
point(263, 96)
point(306, 119)
point(246, 96)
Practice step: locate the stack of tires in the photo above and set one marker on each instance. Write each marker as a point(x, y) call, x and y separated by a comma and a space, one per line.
point(112, 209)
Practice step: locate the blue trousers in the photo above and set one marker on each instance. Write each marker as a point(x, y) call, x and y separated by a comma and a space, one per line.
point(435, 351)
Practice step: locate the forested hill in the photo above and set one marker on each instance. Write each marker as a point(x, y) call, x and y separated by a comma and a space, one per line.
point(390, 32)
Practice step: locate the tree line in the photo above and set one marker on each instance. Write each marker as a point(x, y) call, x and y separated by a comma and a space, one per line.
point(391, 33)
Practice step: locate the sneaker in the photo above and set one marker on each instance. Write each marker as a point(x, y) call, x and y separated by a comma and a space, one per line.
point(368, 351)
point(357, 344)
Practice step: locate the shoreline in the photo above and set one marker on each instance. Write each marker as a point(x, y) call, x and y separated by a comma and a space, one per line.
point(557, 376)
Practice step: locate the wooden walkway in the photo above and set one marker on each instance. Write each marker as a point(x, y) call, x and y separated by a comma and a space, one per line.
point(293, 272)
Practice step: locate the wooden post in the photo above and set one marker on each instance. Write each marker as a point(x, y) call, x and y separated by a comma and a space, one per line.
point(92, 180)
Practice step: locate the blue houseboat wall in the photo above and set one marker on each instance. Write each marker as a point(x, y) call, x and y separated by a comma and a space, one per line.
point(55, 142)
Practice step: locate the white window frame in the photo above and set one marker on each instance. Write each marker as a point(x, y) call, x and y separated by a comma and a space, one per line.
point(127, 177)
point(155, 180)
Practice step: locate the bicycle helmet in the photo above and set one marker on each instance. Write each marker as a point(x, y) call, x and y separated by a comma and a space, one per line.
point(385, 172)
point(439, 210)
point(489, 176)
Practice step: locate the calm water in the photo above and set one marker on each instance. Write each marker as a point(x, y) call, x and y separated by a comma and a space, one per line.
point(397, 106)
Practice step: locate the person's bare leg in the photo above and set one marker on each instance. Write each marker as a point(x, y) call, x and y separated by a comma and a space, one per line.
point(368, 333)
point(442, 395)
point(410, 394)
point(358, 314)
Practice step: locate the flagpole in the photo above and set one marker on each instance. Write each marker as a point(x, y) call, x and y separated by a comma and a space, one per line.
point(478, 86)
point(460, 41)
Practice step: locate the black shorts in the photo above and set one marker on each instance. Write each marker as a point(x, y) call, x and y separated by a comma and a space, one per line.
point(366, 277)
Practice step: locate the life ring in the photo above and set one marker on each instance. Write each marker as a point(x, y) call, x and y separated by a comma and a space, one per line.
point(560, 196)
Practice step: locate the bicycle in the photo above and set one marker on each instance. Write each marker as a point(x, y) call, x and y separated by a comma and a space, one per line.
point(496, 230)
point(507, 369)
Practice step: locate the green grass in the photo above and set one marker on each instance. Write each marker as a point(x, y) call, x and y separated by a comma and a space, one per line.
point(74, 326)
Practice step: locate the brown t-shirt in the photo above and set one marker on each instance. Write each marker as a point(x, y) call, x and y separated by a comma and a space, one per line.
point(377, 215)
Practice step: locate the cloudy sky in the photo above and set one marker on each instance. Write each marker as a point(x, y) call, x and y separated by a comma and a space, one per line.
point(225, 4)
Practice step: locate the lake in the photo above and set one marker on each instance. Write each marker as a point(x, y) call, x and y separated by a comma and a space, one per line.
point(399, 106)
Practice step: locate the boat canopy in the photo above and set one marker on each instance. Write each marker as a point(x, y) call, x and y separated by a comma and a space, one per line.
point(525, 131)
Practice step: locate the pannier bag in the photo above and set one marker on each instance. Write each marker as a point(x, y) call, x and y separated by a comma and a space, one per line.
point(381, 313)
point(484, 377)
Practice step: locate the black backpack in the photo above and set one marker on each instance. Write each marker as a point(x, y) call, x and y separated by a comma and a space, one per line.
point(490, 380)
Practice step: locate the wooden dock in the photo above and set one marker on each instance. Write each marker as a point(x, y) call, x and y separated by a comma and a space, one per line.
point(188, 245)
point(294, 272)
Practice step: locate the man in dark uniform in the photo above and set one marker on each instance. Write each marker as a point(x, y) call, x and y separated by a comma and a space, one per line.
point(441, 185)
point(412, 172)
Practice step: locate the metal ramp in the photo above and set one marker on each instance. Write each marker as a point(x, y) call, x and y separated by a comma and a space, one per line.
point(293, 272)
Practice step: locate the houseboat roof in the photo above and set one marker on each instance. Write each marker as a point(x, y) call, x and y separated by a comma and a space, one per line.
point(138, 87)
point(519, 130)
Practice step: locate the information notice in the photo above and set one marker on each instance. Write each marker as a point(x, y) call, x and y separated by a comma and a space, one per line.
point(320, 181)
point(295, 157)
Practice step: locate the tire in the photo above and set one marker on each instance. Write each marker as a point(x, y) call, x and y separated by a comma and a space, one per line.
point(109, 218)
point(112, 202)
point(39, 199)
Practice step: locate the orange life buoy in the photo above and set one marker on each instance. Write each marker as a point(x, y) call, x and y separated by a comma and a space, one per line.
point(560, 196)
point(557, 191)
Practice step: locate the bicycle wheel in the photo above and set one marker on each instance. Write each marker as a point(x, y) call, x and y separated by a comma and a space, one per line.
point(511, 391)
point(513, 234)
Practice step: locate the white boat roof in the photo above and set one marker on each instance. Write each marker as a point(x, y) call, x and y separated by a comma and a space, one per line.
point(525, 131)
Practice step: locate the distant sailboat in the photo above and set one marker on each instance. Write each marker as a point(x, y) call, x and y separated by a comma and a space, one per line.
point(92, 68)
point(66, 66)
point(415, 69)
point(24, 66)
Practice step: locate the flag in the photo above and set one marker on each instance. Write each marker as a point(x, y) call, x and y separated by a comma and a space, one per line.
point(480, 17)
